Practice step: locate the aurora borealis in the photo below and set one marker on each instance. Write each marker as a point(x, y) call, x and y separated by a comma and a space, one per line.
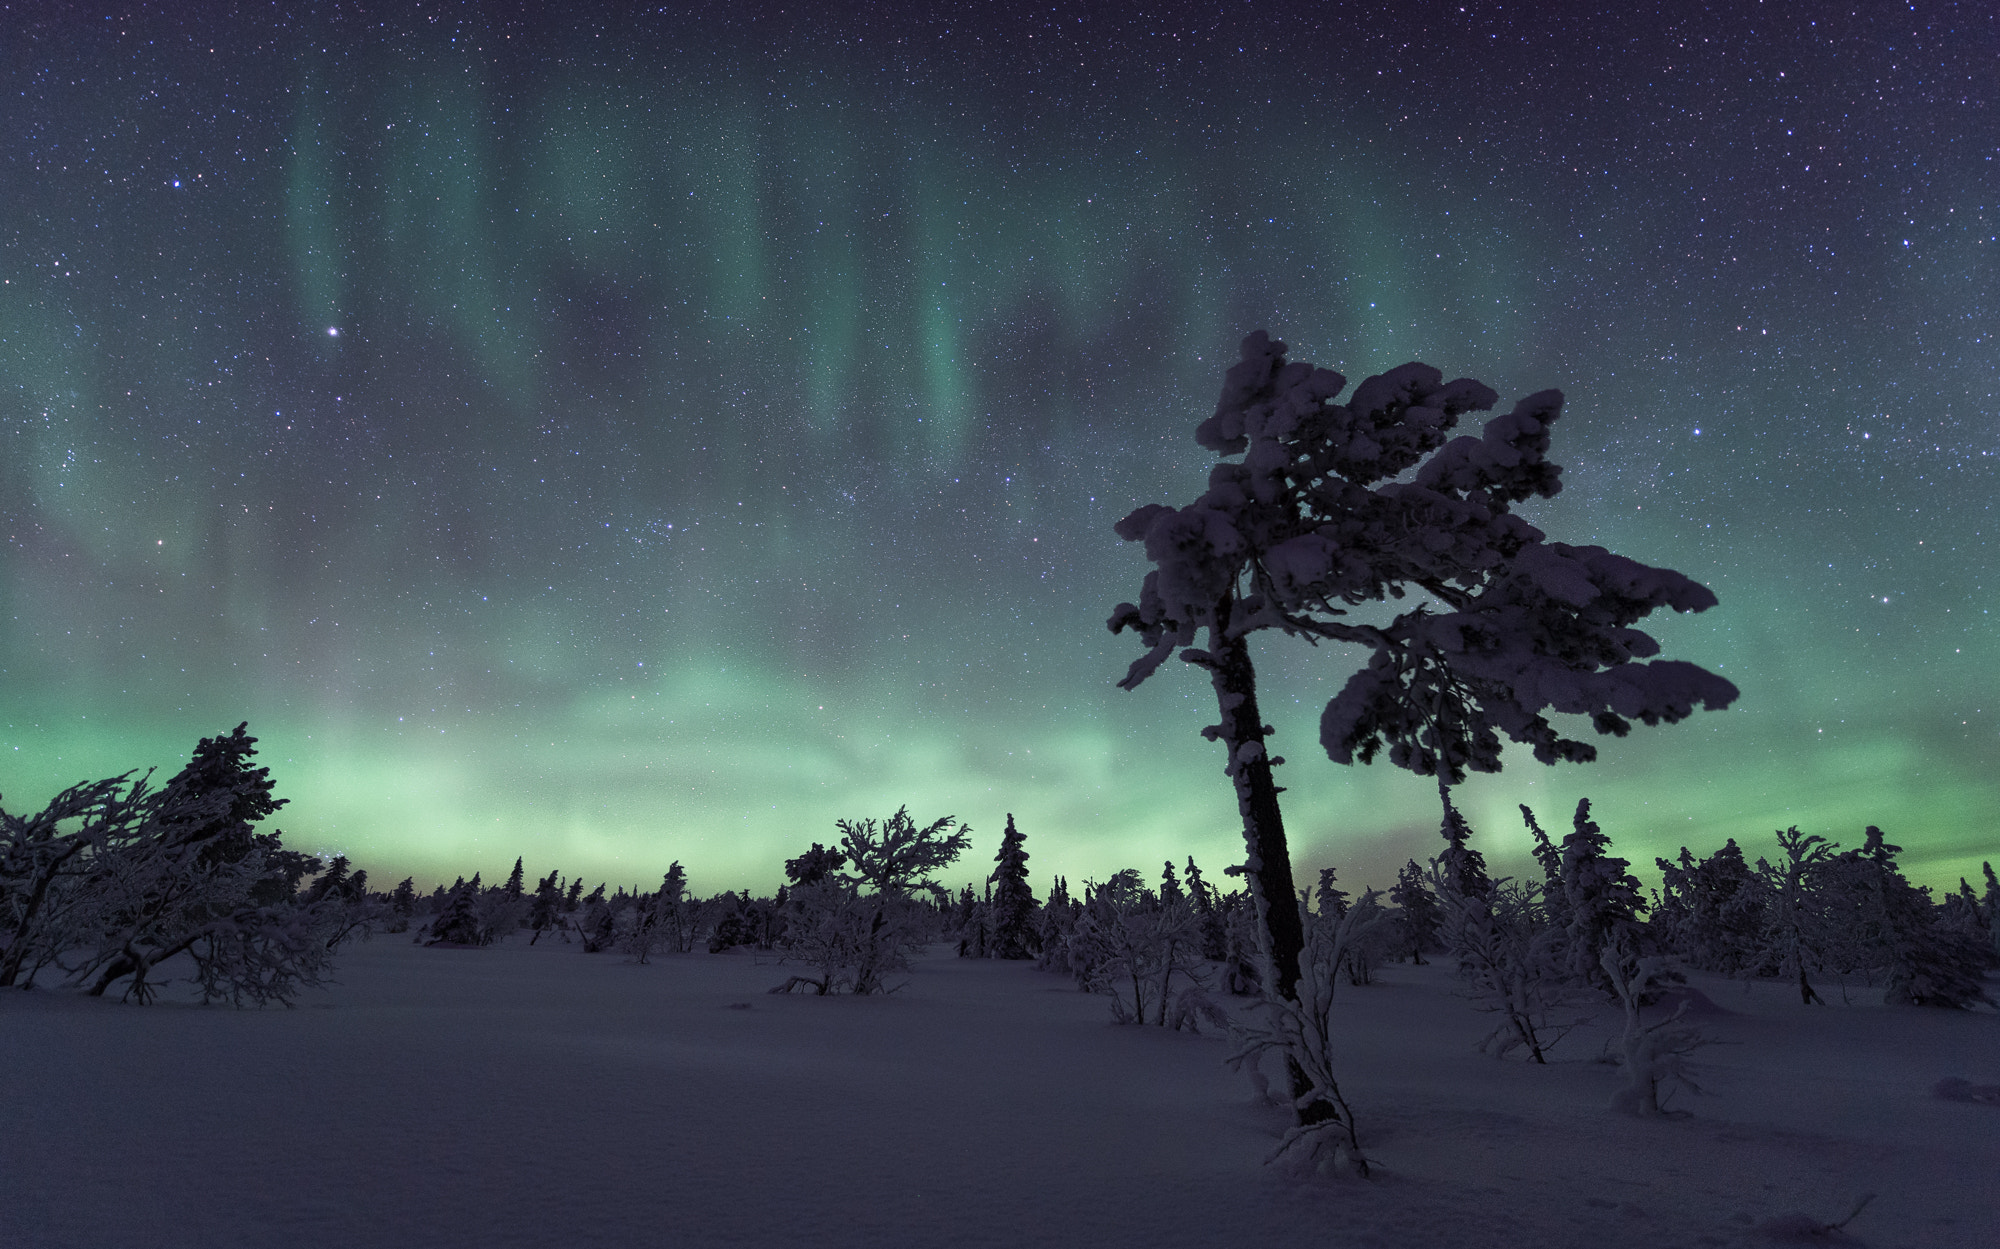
point(656, 434)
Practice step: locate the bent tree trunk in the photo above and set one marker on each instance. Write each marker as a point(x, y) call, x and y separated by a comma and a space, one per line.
point(1268, 866)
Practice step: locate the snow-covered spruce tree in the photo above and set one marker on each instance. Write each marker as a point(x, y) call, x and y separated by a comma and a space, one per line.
point(593, 921)
point(1057, 927)
point(1989, 907)
point(652, 923)
point(1555, 900)
point(1962, 913)
point(678, 910)
point(1011, 911)
point(545, 912)
point(1214, 934)
point(194, 864)
point(402, 905)
point(1896, 932)
point(1601, 902)
point(1711, 911)
point(458, 923)
point(1417, 911)
point(1323, 514)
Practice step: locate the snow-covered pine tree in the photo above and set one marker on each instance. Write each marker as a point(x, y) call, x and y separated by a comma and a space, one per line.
point(860, 924)
point(1417, 909)
point(1602, 901)
point(1323, 514)
point(1011, 914)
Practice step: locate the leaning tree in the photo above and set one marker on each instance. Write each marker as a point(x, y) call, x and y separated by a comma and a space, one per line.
point(1324, 514)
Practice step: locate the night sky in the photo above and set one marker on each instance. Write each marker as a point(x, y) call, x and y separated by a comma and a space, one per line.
point(649, 436)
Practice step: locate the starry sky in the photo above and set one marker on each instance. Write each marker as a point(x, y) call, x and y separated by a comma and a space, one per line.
point(656, 433)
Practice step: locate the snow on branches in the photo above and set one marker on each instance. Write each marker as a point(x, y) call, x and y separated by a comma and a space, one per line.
point(1323, 513)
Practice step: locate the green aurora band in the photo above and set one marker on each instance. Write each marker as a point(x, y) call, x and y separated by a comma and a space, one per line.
point(616, 461)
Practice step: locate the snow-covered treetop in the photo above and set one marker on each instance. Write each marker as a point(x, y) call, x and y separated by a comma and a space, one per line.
point(1314, 520)
point(899, 857)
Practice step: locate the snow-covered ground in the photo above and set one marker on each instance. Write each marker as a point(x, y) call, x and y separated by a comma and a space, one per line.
point(540, 1097)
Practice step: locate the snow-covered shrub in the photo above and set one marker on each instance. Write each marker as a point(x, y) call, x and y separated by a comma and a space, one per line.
point(1498, 934)
point(45, 869)
point(1507, 957)
point(1143, 951)
point(148, 875)
point(638, 932)
point(593, 922)
point(1300, 1031)
point(260, 955)
point(1652, 1055)
point(1797, 929)
point(857, 921)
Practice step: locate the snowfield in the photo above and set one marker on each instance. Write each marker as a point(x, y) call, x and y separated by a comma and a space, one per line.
point(540, 1097)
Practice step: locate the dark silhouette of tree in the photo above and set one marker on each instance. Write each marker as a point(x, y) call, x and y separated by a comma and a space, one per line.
point(1012, 910)
point(1419, 910)
point(814, 865)
point(1324, 513)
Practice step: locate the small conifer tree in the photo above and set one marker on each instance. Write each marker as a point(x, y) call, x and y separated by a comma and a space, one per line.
point(1602, 901)
point(1011, 913)
point(1419, 907)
